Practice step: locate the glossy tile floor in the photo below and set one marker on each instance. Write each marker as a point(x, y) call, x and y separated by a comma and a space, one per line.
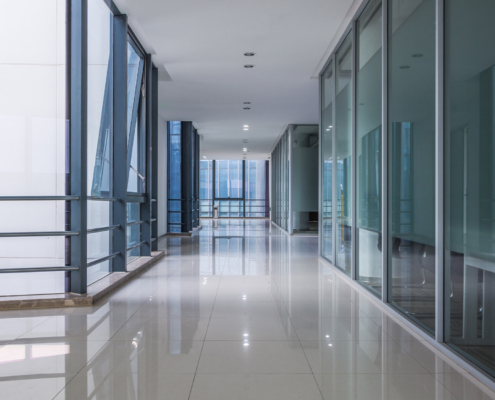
point(240, 311)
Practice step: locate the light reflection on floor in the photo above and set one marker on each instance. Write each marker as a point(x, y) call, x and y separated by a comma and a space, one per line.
point(239, 311)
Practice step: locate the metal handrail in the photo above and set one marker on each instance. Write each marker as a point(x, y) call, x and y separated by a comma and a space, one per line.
point(38, 198)
point(135, 246)
point(99, 198)
point(103, 259)
point(28, 234)
point(104, 229)
point(136, 222)
point(38, 269)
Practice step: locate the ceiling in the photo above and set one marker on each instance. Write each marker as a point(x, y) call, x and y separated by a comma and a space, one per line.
point(198, 47)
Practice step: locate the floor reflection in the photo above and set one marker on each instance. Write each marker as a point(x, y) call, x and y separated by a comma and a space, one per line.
point(240, 310)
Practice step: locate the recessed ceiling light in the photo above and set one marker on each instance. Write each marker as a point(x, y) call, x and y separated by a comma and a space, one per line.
point(247, 102)
point(204, 157)
point(328, 129)
point(417, 55)
point(244, 149)
point(245, 126)
point(247, 108)
point(246, 129)
point(404, 67)
point(249, 66)
point(249, 54)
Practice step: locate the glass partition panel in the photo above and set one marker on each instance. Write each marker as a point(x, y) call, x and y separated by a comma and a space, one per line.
point(343, 143)
point(470, 181)
point(327, 129)
point(411, 155)
point(206, 188)
point(369, 146)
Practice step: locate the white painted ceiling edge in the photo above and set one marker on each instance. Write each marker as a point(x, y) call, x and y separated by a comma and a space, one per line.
point(198, 47)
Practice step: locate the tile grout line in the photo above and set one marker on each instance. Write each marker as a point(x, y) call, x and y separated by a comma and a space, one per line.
point(204, 340)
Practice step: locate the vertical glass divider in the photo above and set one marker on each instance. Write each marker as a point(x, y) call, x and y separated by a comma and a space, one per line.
point(119, 159)
point(385, 286)
point(439, 171)
point(79, 142)
point(290, 139)
point(353, 150)
point(334, 167)
point(320, 167)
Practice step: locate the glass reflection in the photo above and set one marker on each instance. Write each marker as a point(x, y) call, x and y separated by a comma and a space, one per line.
point(411, 139)
point(343, 142)
point(469, 184)
point(328, 92)
point(369, 147)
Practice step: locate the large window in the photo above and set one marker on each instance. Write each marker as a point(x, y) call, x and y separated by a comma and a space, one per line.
point(65, 156)
point(369, 146)
point(32, 143)
point(235, 188)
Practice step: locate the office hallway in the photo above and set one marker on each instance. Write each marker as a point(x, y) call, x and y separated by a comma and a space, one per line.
point(238, 311)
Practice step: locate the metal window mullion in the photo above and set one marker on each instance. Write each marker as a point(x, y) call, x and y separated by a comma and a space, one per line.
point(79, 141)
point(119, 138)
point(439, 171)
point(353, 152)
point(290, 228)
point(385, 241)
point(147, 134)
point(320, 167)
point(334, 163)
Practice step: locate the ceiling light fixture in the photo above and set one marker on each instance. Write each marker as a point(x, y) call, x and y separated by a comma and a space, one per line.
point(244, 149)
point(247, 108)
point(417, 55)
point(245, 126)
point(404, 67)
point(204, 157)
point(247, 102)
point(249, 54)
point(249, 66)
point(246, 129)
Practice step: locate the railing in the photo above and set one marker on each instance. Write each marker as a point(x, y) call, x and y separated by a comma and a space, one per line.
point(233, 208)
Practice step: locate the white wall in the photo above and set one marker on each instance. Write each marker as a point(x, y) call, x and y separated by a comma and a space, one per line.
point(162, 176)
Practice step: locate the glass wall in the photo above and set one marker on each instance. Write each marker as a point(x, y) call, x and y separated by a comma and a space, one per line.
point(343, 145)
point(100, 90)
point(469, 180)
point(327, 134)
point(431, 151)
point(411, 155)
point(280, 182)
point(369, 146)
point(61, 176)
point(256, 188)
point(206, 188)
point(184, 172)
point(240, 188)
